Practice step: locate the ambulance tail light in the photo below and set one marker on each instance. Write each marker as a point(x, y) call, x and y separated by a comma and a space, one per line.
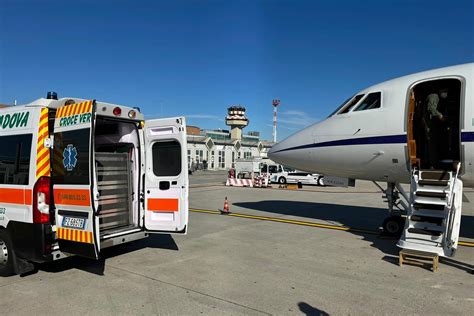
point(117, 111)
point(41, 200)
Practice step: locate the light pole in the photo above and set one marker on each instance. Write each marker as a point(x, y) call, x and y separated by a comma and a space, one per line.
point(275, 104)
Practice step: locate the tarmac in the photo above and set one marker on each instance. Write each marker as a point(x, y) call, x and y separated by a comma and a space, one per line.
point(314, 251)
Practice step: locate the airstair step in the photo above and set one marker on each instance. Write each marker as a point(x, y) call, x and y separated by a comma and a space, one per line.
point(427, 219)
point(429, 200)
point(423, 242)
point(431, 188)
point(425, 225)
point(441, 195)
point(426, 239)
point(430, 213)
point(429, 206)
point(438, 183)
point(427, 232)
point(438, 175)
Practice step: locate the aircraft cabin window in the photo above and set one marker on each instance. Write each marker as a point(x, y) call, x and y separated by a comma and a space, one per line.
point(372, 101)
point(351, 103)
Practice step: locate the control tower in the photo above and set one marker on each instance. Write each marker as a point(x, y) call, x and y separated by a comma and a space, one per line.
point(237, 120)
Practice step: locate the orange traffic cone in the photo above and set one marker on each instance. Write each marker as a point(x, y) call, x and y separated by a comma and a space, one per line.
point(226, 210)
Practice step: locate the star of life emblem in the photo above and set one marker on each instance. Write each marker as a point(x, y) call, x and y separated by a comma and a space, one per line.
point(70, 157)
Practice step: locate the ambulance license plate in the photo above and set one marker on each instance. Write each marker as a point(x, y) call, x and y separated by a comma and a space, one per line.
point(74, 222)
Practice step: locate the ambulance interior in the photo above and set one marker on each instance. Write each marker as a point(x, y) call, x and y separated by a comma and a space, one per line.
point(435, 143)
point(117, 173)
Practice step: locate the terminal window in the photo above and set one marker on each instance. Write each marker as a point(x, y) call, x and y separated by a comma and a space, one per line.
point(221, 159)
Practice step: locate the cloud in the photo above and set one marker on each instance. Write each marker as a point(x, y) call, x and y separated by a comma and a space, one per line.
point(295, 118)
point(296, 113)
point(290, 128)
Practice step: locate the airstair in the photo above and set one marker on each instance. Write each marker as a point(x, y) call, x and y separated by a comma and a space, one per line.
point(434, 216)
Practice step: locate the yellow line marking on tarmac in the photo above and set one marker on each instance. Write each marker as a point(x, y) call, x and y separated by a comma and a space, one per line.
point(304, 223)
point(288, 221)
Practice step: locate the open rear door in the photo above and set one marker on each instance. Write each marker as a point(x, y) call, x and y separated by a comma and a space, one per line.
point(73, 181)
point(166, 176)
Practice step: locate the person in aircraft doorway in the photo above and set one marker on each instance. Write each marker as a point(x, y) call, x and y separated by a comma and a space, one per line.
point(433, 123)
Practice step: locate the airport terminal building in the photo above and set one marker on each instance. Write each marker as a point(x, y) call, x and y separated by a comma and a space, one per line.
point(219, 149)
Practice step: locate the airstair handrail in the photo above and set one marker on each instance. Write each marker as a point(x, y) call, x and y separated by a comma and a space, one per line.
point(452, 214)
point(451, 198)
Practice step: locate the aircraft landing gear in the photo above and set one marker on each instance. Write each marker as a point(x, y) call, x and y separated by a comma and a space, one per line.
point(394, 224)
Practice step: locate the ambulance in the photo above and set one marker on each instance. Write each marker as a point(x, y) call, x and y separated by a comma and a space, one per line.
point(78, 176)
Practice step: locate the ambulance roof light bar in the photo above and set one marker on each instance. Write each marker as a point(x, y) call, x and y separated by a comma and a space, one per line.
point(51, 95)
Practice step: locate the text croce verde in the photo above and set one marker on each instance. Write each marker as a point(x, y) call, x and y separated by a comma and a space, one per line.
point(75, 119)
point(15, 120)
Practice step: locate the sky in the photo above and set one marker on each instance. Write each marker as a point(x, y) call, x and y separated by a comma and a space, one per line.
point(196, 58)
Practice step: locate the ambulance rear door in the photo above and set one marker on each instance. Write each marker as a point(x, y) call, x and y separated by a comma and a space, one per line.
point(166, 176)
point(74, 190)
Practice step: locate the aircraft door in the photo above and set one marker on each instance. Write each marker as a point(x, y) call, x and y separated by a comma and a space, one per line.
point(434, 123)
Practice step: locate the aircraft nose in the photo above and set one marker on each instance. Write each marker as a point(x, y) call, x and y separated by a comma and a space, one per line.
point(276, 152)
point(293, 150)
point(280, 152)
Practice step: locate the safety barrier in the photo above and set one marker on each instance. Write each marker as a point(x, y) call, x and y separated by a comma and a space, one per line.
point(239, 182)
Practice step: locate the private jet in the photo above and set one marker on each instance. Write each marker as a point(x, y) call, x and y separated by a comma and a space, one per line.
point(416, 130)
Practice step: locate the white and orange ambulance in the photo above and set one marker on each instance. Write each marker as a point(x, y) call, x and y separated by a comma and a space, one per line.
point(78, 176)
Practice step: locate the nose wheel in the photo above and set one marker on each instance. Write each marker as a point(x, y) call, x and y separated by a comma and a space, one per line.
point(393, 226)
point(398, 202)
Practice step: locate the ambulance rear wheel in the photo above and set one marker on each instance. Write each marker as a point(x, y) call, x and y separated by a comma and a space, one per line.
point(6, 254)
point(393, 226)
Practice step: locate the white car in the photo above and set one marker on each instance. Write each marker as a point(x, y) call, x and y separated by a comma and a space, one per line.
point(298, 177)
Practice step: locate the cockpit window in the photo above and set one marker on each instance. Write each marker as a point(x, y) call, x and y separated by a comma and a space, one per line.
point(340, 106)
point(351, 103)
point(372, 101)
